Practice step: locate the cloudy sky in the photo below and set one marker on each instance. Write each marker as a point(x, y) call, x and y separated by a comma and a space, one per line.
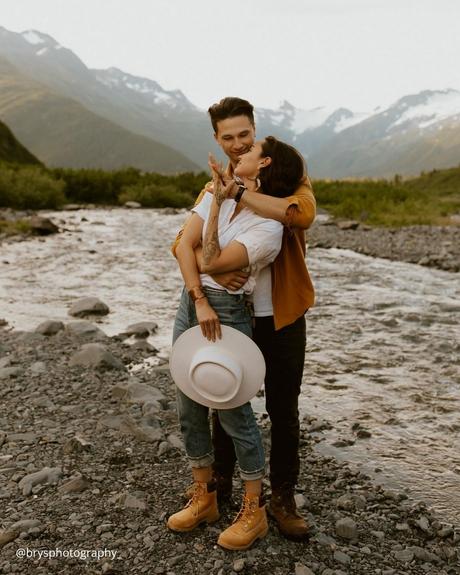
point(358, 54)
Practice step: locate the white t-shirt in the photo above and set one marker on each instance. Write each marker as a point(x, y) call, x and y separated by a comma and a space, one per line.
point(261, 297)
point(261, 237)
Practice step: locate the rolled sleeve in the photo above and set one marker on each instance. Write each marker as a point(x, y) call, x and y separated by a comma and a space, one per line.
point(301, 211)
point(262, 242)
point(202, 208)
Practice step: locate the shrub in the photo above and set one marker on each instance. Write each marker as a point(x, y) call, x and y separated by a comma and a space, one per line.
point(29, 188)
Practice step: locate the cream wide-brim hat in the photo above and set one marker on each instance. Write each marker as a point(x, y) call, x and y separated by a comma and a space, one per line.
point(222, 374)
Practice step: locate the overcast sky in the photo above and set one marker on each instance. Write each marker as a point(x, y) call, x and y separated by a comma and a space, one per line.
point(359, 54)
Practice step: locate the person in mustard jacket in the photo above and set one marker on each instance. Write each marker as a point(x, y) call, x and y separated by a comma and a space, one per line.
point(282, 296)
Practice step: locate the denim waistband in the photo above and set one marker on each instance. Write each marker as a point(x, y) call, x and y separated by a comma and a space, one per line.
point(223, 293)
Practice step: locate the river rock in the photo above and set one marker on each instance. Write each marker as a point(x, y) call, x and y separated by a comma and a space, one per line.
point(346, 528)
point(143, 393)
point(141, 329)
point(25, 525)
point(351, 501)
point(49, 327)
point(348, 224)
point(76, 444)
point(42, 226)
point(7, 536)
point(75, 485)
point(423, 554)
point(88, 306)
point(85, 330)
point(301, 569)
point(342, 557)
point(405, 555)
point(95, 355)
point(128, 426)
point(38, 368)
point(9, 372)
point(46, 475)
point(132, 205)
point(135, 500)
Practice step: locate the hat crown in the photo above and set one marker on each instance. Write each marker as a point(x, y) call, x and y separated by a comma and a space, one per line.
point(215, 374)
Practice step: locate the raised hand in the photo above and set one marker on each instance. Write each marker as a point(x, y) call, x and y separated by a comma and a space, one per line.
point(223, 187)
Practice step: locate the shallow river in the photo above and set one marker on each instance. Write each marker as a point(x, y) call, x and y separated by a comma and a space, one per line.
point(383, 339)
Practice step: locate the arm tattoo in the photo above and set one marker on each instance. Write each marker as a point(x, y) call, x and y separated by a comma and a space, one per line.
point(211, 247)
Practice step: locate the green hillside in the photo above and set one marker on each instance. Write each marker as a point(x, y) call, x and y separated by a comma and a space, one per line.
point(13, 151)
point(62, 133)
point(431, 198)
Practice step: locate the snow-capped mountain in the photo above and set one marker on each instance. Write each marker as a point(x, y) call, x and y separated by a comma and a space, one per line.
point(426, 110)
point(116, 79)
point(419, 131)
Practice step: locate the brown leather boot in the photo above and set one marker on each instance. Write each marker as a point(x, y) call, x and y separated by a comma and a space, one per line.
point(250, 524)
point(283, 510)
point(201, 508)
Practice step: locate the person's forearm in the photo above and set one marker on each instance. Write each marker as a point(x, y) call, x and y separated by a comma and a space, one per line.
point(266, 206)
point(300, 214)
point(187, 263)
point(199, 257)
point(211, 247)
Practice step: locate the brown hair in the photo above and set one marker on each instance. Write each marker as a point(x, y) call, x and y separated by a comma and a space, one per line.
point(229, 108)
point(286, 170)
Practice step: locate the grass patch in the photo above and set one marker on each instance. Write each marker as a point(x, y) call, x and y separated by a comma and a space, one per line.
point(432, 198)
point(428, 199)
point(14, 227)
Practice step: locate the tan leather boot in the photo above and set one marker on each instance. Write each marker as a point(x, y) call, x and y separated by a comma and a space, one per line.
point(201, 508)
point(224, 486)
point(283, 510)
point(250, 524)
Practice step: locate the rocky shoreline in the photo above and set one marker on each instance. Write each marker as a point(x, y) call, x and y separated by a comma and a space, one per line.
point(91, 459)
point(432, 246)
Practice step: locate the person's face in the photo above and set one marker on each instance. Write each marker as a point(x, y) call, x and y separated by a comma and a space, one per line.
point(250, 163)
point(235, 136)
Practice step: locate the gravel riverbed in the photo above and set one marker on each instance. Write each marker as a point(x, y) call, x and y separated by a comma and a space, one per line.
point(91, 459)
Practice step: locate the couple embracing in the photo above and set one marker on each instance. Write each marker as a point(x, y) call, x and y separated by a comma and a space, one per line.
point(245, 244)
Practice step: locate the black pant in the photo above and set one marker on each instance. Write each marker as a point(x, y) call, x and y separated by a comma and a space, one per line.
point(284, 353)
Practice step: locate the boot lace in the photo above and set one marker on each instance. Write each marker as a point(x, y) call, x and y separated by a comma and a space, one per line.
point(198, 491)
point(247, 510)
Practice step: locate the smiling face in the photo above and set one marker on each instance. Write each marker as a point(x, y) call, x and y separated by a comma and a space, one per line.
point(235, 136)
point(250, 163)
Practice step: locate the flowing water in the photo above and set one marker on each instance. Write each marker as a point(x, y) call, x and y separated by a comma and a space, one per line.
point(383, 339)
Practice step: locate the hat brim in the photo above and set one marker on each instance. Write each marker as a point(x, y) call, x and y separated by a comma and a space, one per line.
point(238, 344)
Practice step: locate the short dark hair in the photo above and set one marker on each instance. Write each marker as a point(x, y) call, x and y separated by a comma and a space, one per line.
point(286, 170)
point(229, 108)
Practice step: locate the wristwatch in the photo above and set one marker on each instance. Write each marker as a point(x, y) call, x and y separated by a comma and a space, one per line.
point(239, 193)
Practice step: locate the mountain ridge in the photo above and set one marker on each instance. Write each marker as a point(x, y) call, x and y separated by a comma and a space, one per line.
point(418, 131)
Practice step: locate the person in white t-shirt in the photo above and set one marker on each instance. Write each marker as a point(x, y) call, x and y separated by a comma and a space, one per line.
point(231, 237)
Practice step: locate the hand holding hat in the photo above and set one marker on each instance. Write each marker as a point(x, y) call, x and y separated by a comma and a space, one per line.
point(222, 374)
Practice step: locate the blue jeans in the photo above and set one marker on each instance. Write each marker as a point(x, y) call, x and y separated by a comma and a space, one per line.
point(238, 422)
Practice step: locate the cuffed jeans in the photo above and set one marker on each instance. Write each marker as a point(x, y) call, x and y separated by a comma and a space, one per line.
point(239, 423)
point(284, 353)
